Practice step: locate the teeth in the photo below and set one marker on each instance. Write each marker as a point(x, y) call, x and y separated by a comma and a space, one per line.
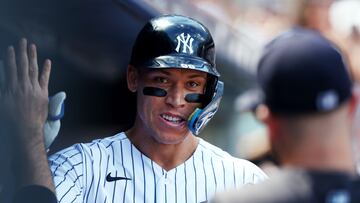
point(171, 118)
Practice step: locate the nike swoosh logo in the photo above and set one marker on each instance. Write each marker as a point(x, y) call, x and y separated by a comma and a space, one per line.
point(109, 178)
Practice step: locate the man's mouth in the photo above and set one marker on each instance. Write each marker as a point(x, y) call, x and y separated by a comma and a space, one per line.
point(172, 118)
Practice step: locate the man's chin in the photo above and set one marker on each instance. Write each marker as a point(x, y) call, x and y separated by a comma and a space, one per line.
point(171, 139)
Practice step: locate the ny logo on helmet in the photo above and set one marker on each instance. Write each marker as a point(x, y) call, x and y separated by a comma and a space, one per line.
point(186, 43)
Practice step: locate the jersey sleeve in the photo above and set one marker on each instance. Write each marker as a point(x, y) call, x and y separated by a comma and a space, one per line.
point(67, 168)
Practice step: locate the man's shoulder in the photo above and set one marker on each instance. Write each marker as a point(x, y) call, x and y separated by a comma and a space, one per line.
point(284, 187)
point(108, 141)
point(224, 157)
point(84, 148)
point(297, 186)
point(216, 152)
point(213, 151)
point(333, 185)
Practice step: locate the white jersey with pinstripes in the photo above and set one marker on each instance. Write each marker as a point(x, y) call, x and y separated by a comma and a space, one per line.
point(80, 172)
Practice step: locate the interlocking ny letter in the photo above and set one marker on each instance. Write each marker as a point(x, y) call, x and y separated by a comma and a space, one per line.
point(186, 43)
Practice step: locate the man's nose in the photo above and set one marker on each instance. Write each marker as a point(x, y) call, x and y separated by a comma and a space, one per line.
point(176, 97)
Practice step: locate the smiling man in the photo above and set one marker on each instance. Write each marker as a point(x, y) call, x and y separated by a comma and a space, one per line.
point(172, 71)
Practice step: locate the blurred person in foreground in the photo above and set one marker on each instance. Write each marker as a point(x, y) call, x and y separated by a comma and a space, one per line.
point(23, 111)
point(310, 100)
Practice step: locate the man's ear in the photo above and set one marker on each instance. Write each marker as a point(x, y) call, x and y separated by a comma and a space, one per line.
point(132, 77)
point(354, 100)
point(277, 140)
point(262, 112)
point(272, 122)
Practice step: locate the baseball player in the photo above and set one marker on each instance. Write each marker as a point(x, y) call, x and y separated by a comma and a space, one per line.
point(308, 93)
point(172, 71)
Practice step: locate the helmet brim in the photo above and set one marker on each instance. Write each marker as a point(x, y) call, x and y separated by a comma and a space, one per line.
point(183, 62)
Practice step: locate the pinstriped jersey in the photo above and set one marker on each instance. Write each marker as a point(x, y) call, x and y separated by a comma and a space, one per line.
point(114, 170)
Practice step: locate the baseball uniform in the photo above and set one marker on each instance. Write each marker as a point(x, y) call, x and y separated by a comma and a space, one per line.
point(114, 170)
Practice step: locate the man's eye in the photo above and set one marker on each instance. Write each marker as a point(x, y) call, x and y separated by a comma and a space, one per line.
point(193, 84)
point(161, 80)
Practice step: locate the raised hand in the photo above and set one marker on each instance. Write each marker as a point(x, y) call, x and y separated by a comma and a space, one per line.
point(23, 112)
point(24, 96)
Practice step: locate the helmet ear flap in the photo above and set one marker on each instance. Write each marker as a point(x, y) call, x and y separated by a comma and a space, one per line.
point(209, 90)
point(200, 117)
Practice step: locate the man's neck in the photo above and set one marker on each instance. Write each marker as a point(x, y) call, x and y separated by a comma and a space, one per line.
point(322, 161)
point(168, 156)
point(319, 141)
point(332, 154)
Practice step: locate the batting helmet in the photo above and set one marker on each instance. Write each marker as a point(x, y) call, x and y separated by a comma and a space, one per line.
point(174, 41)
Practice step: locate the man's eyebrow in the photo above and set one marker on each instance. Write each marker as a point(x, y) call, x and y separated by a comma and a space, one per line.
point(160, 71)
point(198, 76)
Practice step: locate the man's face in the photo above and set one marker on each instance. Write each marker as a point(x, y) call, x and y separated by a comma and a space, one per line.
point(165, 118)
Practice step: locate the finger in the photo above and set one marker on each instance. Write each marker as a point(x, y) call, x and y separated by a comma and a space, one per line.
point(23, 68)
point(33, 65)
point(11, 69)
point(45, 75)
